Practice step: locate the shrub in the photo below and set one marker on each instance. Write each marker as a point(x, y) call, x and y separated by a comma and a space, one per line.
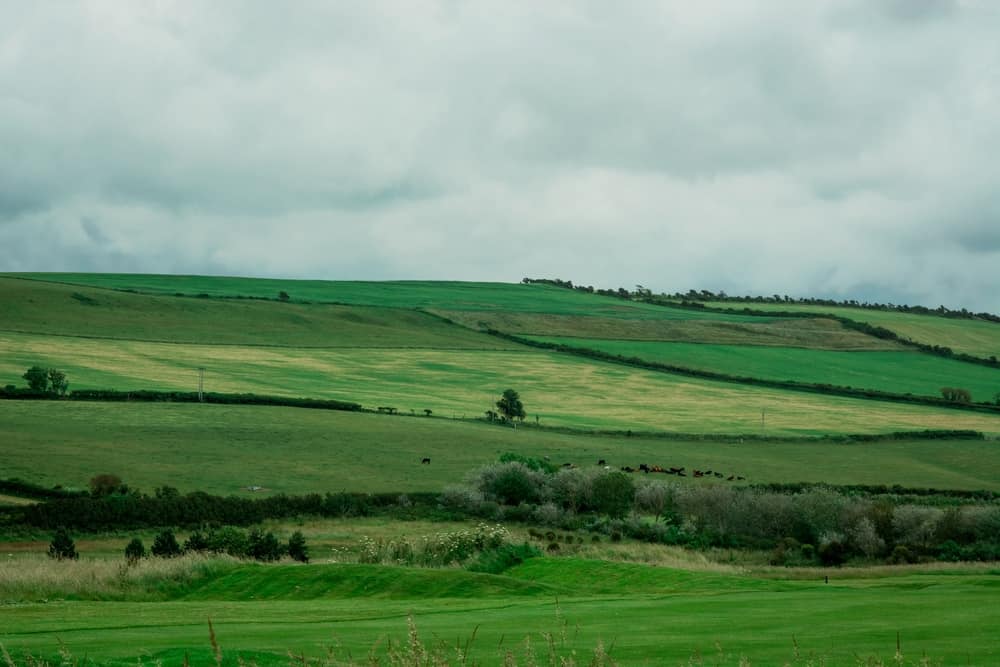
point(165, 545)
point(297, 548)
point(105, 484)
point(613, 494)
point(62, 546)
point(196, 542)
point(901, 555)
point(511, 483)
point(135, 551)
point(833, 550)
point(263, 546)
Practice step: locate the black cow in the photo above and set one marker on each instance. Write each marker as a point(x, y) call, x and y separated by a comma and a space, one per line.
point(425, 461)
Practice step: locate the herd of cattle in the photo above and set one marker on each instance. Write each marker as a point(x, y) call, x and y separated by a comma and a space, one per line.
point(680, 472)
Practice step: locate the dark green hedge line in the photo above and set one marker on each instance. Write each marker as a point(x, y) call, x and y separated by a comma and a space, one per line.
point(817, 388)
point(146, 395)
point(133, 511)
point(22, 489)
point(878, 490)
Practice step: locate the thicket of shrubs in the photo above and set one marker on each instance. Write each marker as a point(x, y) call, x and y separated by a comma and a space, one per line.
point(809, 525)
point(255, 544)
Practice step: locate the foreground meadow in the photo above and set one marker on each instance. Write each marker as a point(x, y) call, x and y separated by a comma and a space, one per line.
point(640, 615)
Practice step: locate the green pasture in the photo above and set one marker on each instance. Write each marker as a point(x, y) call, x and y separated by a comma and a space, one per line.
point(681, 326)
point(641, 615)
point(977, 337)
point(224, 449)
point(412, 294)
point(902, 372)
point(37, 307)
point(557, 389)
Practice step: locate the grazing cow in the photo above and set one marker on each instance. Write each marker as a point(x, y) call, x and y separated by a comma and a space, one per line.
point(731, 478)
point(708, 472)
point(698, 473)
point(602, 462)
point(718, 475)
point(656, 469)
point(676, 471)
point(628, 469)
point(425, 461)
point(643, 467)
point(680, 473)
point(741, 477)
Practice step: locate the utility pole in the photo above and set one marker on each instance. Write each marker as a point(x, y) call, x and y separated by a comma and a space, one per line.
point(201, 384)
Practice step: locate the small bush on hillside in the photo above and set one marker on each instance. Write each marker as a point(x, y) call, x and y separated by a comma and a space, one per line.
point(502, 558)
point(510, 483)
point(165, 545)
point(62, 546)
point(263, 546)
point(196, 542)
point(135, 551)
point(613, 494)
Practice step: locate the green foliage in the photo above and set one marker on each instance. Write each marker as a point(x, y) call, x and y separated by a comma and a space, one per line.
point(510, 483)
point(531, 462)
point(105, 484)
point(510, 405)
point(165, 545)
point(58, 384)
point(135, 550)
point(613, 494)
point(62, 546)
point(297, 548)
point(263, 546)
point(37, 378)
point(956, 395)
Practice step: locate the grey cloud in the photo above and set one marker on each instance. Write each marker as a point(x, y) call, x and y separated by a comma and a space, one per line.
point(808, 148)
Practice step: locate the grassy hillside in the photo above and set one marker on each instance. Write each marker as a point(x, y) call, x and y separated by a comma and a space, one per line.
point(560, 389)
point(224, 449)
point(49, 308)
point(641, 615)
point(976, 337)
point(681, 326)
point(902, 372)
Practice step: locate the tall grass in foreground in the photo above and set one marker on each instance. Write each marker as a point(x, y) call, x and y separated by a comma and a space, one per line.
point(547, 650)
point(102, 579)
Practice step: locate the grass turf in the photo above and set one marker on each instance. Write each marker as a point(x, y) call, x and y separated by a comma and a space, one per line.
point(643, 615)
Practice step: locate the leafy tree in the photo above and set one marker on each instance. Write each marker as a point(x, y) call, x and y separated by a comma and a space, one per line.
point(613, 494)
point(135, 551)
point(62, 546)
point(510, 405)
point(105, 484)
point(57, 382)
point(37, 378)
point(297, 548)
point(283, 295)
point(196, 542)
point(264, 546)
point(165, 545)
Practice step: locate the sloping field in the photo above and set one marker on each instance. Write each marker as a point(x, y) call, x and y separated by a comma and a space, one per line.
point(557, 389)
point(51, 308)
point(642, 616)
point(224, 449)
point(899, 371)
point(680, 326)
point(976, 337)
point(395, 294)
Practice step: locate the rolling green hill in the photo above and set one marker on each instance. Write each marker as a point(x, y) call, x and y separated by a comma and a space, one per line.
point(903, 371)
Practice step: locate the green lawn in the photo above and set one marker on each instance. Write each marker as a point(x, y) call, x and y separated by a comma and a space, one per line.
point(897, 371)
point(977, 337)
point(642, 615)
point(224, 449)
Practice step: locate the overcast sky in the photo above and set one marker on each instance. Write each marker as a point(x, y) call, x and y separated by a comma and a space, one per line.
point(845, 149)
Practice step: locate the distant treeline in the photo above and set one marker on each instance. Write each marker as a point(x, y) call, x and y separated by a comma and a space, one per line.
point(20, 488)
point(150, 396)
point(818, 388)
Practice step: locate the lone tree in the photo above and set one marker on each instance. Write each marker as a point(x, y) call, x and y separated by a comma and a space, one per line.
point(510, 405)
point(37, 378)
point(297, 547)
point(135, 551)
point(165, 545)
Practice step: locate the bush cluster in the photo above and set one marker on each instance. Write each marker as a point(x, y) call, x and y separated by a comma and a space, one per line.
point(809, 524)
point(255, 544)
point(439, 549)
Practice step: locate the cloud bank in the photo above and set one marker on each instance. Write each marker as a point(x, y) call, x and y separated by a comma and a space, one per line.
point(842, 149)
